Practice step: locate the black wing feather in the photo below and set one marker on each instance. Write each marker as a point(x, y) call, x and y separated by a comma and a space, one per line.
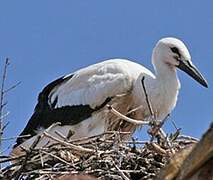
point(45, 114)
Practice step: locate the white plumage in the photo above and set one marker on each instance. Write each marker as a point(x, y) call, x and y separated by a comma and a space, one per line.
point(78, 101)
point(93, 84)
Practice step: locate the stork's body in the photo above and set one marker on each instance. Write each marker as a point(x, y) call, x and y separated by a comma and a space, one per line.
point(78, 101)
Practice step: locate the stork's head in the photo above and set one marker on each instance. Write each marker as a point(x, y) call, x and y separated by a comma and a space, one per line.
point(171, 52)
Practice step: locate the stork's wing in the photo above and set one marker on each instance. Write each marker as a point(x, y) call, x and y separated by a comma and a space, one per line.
point(91, 86)
point(73, 98)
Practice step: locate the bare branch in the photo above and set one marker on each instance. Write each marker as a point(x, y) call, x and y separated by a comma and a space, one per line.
point(5, 125)
point(4, 115)
point(2, 104)
point(12, 87)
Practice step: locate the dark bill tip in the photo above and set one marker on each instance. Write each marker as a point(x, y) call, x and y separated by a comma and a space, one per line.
point(192, 71)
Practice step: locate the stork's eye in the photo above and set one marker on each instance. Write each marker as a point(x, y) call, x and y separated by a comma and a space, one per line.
point(175, 50)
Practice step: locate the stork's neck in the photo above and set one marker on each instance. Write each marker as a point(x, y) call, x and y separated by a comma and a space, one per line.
point(166, 74)
point(166, 77)
point(162, 91)
point(167, 85)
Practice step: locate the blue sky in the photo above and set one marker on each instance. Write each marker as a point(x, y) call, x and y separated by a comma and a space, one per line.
point(47, 39)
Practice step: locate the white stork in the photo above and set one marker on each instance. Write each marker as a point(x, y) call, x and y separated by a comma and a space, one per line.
point(78, 100)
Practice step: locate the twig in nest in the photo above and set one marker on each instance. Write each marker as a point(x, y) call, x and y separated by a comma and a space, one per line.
point(125, 118)
point(133, 110)
point(85, 139)
point(185, 137)
point(147, 99)
point(15, 137)
point(157, 128)
point(119, 162)
point(157, 148)
point(75, 147)
point(61, 135)
point(50, 154)
point(175, 135)
point(18, 173)
point(8, 159)
point(130, 112)
point(42, 161)
point(120, 172)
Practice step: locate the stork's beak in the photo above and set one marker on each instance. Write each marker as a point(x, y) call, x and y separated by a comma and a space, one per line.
point(192, 71)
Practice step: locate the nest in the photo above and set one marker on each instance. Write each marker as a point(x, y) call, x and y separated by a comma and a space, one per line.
point(105, 156)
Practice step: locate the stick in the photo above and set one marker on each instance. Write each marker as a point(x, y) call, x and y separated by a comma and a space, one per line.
point(17, 174)
point(121, 172)
point(12, 87)
point(15, 137)
point(60, 159)
point(75, 147)
point(11, 158)
point(133, 110)
point(42, 161)
point(123, 117)
point(146, 96)
point(4, 115)
point(2, 98)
